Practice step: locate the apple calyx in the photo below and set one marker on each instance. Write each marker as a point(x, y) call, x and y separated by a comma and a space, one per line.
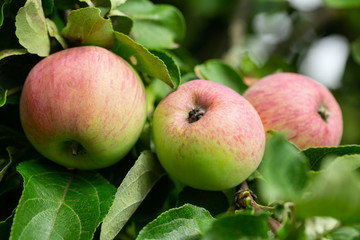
point(324, 114)
point(195, 114)
point(76, 148)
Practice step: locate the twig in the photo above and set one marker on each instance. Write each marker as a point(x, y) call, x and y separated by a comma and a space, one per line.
point(245, 197)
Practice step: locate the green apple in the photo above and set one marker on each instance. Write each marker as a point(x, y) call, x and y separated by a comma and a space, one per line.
point(303, 109)
point(83, 107)
point(208, 136)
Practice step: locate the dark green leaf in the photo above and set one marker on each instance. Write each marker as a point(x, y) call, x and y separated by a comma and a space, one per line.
point(355, 50)
point(86, 27)
point(284, 169)
point(121, 23)
point(186, 222)
point(60, 204)
point(132, 191)
point(2, 7)
point(315, 155)
point(103, 5)
point(342, 3)
point(155, 26)
point(333, 192)
point(5, 227)
point(240, 226)
point(146, 62)
point(3, 94)
point(31, 28)
point(48, 6)
point(220, 72)
point(5, 163)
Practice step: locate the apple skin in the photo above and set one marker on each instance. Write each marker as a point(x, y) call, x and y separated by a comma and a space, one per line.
point(83, 107)
point(219, 150)
point(291, 102)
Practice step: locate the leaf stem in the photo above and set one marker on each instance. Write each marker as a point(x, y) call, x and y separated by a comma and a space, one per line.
point(13, 91)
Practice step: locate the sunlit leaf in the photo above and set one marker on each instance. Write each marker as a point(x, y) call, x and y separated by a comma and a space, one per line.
point(132, 191)
point(31, 28)
point(186, 222)
point(11, 52)
point(162, 67)
point(86, 27)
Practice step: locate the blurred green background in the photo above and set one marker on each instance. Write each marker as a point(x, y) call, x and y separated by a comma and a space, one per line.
point(316, 38)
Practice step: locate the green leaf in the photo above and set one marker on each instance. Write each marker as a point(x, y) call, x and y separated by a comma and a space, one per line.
point(185, 222)
point(333, 192)
point(2, 13)
point(120, 22)
point(220, 72)
point(85, 26)
point(240, 226)
point(54, 32)
point(48, 6)
point(5, 163)
point(116, 3)
point(31, 28)
point(284, 169)
point(355, 50)
point(155, 26)
point(5, 227)
point(163, 67)
point(103, 5)
point(60, 204)
point(347, 233)
point(3, 94)
point(11, 52)
point(342, 3)
point(132, 191)
point(315, 155)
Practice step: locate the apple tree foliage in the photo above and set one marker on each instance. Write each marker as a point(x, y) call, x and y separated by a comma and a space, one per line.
point(309, 194)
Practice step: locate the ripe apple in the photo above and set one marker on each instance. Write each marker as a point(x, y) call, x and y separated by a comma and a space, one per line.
point(208, 136)
point(83, 107)
point(304, 109)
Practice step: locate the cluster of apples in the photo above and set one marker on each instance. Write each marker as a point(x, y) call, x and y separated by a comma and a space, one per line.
point(85, 108)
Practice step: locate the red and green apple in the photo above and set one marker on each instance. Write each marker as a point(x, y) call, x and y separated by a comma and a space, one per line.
point(83, 107)
point(208, 136)
point(305, 110)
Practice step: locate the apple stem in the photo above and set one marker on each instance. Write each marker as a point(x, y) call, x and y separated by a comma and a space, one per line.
point(323, 113)
point(195, 114)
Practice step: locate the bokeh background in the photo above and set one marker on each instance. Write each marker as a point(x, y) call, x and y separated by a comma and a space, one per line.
point(317, 38)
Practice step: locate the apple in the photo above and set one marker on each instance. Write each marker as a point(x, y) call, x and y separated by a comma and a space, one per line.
point(208, 136)
point(83, 107)
point(302, 108)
